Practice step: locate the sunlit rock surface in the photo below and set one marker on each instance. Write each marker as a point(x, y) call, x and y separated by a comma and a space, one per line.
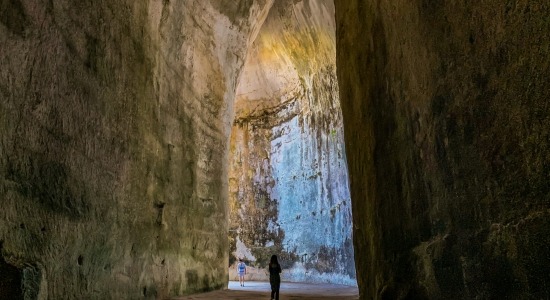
point(447, 129)
point(114, 123)
point(289, 191)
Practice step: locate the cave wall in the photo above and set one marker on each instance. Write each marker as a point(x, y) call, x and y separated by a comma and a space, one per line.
point(114, 123)
point(446, 121)
point(288, 190)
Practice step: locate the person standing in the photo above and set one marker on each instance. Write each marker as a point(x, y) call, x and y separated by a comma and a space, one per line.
point(274, 277)
point(241, 270)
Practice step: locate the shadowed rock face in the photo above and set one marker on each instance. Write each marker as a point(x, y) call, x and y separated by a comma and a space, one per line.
point(446, 119)
point(288, 177)
point(114, 120)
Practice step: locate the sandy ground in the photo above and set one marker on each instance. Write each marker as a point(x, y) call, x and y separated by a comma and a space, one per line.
point(254, 290)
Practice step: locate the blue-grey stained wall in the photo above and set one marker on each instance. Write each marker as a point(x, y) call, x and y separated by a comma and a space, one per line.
point(288, 182)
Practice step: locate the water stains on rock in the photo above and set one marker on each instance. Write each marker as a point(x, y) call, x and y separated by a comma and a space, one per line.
point(13, 16)
point(287, 168)
point(50, 184)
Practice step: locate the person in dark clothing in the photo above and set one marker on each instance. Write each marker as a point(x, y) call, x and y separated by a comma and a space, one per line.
point(274, 277)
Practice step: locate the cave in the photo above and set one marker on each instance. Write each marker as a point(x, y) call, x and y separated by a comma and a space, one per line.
point(131, 132)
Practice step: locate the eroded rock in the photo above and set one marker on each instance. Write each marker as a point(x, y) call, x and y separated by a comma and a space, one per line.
point(446, 119)
point(288, 177)
point(114, 120)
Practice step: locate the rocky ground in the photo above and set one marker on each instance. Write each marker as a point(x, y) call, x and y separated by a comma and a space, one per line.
point(261, 290)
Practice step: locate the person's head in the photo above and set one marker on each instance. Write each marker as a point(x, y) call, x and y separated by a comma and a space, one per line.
point(240, 260)
point(273, 260)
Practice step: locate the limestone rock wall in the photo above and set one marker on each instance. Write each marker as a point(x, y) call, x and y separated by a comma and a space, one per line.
point(289, 191)
point(114, 122)
point(446, 119)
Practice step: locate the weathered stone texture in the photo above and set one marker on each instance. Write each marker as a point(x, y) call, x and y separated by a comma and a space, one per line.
point(446, 119)
point(289, 191)
point(114, 122)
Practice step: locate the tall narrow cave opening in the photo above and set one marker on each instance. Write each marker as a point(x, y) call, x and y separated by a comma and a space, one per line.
point(288, 184)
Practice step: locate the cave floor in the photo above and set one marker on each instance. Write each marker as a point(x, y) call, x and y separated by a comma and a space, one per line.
point(289, 291)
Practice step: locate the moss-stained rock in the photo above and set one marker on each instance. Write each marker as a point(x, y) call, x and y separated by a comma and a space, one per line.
point(446, 119)
point(114, 121)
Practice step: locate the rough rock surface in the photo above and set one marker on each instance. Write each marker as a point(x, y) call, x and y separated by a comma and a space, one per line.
point(114, 123)
point(446, 118)
point(289, 192)
point(114, 129)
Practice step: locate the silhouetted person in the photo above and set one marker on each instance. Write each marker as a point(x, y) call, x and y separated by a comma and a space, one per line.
point(241, 270)
point(274, 277)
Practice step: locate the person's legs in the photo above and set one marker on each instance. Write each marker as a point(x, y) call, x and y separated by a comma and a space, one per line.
point(276, 293)
point(275, 290)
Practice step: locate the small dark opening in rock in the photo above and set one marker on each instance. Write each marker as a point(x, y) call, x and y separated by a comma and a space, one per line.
point(10, 281)
point(80, 260)
point(160, 208)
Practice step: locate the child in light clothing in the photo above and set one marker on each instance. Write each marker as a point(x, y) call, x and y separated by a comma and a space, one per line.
point(241, 270)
